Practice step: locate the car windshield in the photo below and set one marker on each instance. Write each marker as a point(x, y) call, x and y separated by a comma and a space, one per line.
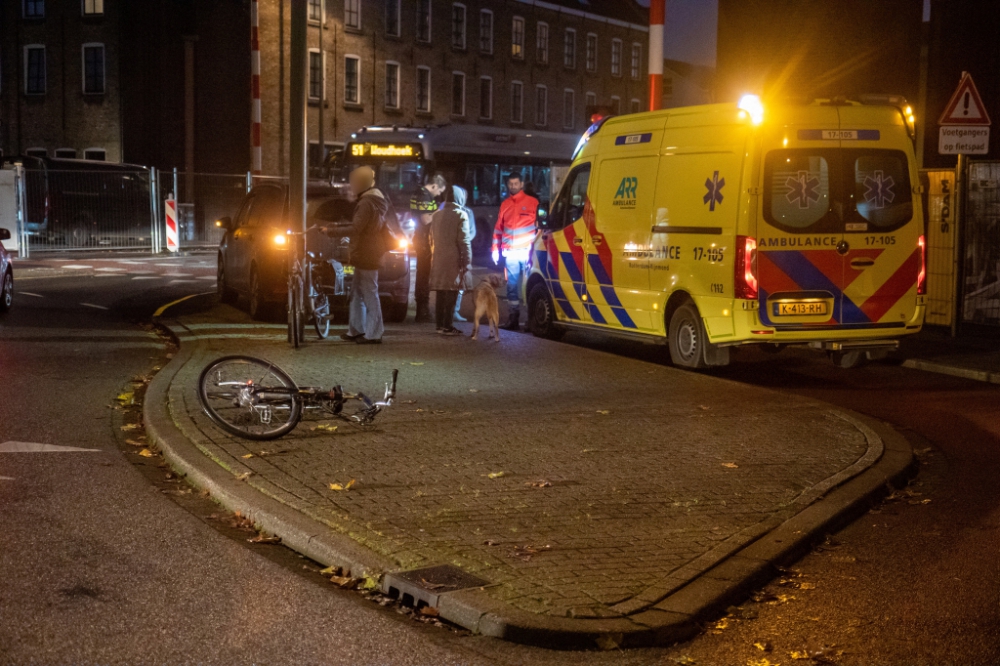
point(327, 210)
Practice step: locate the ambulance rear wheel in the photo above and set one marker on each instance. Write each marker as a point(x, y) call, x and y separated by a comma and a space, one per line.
point(687, 338)
point(848, 359)
point(542, 314)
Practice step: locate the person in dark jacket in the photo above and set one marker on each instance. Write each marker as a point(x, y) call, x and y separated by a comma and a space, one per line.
point(423, 203)
point(451, 263)
point(368, 244)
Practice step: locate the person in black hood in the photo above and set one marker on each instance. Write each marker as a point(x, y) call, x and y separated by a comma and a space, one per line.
point(368, 244)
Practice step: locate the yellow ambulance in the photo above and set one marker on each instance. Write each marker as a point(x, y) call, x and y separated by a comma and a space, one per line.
point(716, 226)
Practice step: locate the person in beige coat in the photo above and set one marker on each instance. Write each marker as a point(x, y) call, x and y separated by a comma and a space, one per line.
point(451, 262)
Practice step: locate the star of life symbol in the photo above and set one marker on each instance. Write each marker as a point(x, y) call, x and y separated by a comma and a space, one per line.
point(879, 192)
point(803, 188)
point(714, 195)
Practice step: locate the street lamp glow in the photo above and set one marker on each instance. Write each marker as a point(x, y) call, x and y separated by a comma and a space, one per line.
point(754, 108)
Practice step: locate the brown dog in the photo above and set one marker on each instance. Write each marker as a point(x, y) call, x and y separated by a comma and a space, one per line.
point(487, 305)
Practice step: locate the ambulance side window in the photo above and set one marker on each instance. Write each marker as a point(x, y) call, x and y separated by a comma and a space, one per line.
point(797, 195)
point(572, 198)
point(882, 193)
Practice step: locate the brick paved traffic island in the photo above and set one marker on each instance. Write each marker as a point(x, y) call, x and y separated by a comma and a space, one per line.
point(596, 497)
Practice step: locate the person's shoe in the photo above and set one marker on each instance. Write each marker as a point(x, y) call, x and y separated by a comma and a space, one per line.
point(423, 314)
point(513, 322)
point(439, 330)
point(451, 332)
point(368, 341)
point(351, 338)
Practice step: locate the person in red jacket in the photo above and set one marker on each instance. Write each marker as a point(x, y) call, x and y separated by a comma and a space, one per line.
point(512, 237)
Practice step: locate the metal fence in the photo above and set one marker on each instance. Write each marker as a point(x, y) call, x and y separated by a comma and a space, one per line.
point(981, 245)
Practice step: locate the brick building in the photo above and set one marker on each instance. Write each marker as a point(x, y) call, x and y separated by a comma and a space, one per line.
point(503, 63)
point(804, 48)
point(59, 89)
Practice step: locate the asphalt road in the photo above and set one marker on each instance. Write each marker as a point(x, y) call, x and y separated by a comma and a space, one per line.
point(103, 563)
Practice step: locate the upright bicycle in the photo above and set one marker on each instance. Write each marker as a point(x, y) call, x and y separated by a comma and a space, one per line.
point(254, 399)
point(309, 293)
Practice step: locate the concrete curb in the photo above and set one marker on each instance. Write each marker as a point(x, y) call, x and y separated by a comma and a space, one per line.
point(676, 617)
point(952, 370)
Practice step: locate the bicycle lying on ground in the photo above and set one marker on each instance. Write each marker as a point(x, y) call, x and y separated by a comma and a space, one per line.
point(254, 399)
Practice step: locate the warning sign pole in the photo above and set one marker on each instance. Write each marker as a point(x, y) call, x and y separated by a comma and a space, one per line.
point(965, 123)
point(170, 208)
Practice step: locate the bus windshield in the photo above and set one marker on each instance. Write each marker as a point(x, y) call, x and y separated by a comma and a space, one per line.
point(398, 180)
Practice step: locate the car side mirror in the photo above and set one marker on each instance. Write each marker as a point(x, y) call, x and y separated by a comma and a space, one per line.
point(224, 223)
point(4, 234)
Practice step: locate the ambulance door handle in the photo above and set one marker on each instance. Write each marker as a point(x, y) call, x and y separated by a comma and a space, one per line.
point(598, 239)
point(577, 241)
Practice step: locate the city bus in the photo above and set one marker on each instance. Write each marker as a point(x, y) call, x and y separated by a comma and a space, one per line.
point(474, 157)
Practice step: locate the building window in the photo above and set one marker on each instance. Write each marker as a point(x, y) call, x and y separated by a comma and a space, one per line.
point(591, 52)
point(616, 57)
point(352, 79)
point(668, 86)
point(392, 18)
point(66, 153)
point(616, 105)
point(458, 26)
point(316, 83)
point(36, 152)
point(91, 8)
point(541, 105)
point(96, 154)
point(517, 38)
point(316, 10)
point(516, 102)
point(33, 9)
point(569, 49)
point(486, 31)
point(352, 14)
point(636, 68)
point(424, 89)
point(590, 102)
point(569, 108)
point(457, 94)
point(485, 97)
point(635, 106)
point(542, 43)
point(34, 70)
point(392, 85)
point(423, 20)
point(93, 69)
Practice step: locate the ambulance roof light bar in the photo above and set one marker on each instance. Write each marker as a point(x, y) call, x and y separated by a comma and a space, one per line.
point(753, 107)
point(591, 131)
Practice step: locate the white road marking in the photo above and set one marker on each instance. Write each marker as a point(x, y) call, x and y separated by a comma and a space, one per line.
point(181, 282)
point(35, 332)
point(92, 305)
point(178, 274)
point(146, 277)
point(111, 270)
point(208, 277)
point(199, 327)
point(28, 293)
point(76, 266)
point(35, 447)
point(6, 478)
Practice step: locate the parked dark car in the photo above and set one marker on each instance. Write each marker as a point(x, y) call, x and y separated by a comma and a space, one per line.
point(253, 252)
point(6, 274)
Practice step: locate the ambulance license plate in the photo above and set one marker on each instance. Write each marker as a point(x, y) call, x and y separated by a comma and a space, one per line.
point(348, 270)
point(801, 309)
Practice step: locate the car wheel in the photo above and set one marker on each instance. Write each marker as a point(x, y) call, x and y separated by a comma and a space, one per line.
point(257, 306)
point(396, 312)
point(226, 295)
point(848, 359)
point(542, 314)
point(687, 338)
point(7, 291)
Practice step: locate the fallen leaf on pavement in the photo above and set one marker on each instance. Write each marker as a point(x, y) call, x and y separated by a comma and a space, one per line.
point(330, 571)
point(408, 402)
point(762, 662)
point(247, 455)
point(763, 646)
point(418, 410)
point(526, 552)
point(495, 475)
point(325, 426)
point(344, 582)
point(704, 408)
point(132, 442)
point(342, 486)
point(730, 465)
point(146, 453)
point(722, 624)
point(800, 654)
point(260, 538)
point(604, 411)
point(244, 476)
point(489, 542)
point(126, 397)
point(807, 586)
point(685, 660)
point(608, 641)
point(429, 611)
point(420, 363)
point(473, 390)
point(130, 426)
point(542, 483)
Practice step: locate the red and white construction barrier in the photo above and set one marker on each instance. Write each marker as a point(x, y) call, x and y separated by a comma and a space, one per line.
point(170, 208)
point(657, 16)
point(255, 113)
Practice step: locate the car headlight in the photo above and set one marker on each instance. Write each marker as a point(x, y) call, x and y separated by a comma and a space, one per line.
point(281, 240)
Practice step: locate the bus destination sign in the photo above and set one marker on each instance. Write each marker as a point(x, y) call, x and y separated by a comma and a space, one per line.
point(387, 150)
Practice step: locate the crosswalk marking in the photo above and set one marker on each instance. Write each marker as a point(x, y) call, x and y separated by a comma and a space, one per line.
point(76, 266)
point(28, 293)
point(93, 305)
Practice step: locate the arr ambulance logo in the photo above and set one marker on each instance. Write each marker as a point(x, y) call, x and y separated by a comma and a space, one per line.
point(625, 196)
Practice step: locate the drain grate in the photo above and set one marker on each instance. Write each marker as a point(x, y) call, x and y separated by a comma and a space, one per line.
point(423, 587)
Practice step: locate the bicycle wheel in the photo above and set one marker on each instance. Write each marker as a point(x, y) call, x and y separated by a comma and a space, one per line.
point(249, 397)
point(320, 306)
